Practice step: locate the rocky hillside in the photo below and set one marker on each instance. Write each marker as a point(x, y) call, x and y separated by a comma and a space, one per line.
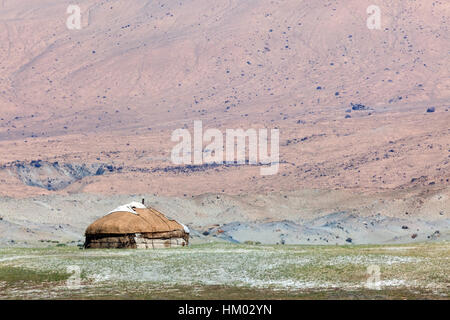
point(351, 103)
point(86, 116)
point(307, 217)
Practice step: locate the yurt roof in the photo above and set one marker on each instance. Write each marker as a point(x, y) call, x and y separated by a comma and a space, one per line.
point(134, 217)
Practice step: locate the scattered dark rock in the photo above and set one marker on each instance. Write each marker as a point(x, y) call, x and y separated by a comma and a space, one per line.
point(414, 235)
point(358, 106)
point(405, 227)
point(420, 179)
point(431, 109)
point(349, 240)
point(434, 235)
point(35, 163)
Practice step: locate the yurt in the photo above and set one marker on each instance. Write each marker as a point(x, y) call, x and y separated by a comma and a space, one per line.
point(136, 226)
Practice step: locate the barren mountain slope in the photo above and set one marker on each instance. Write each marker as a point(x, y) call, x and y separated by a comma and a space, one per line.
point(109, 95)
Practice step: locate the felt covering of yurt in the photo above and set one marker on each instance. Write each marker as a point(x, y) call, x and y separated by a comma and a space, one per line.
point(135, 226)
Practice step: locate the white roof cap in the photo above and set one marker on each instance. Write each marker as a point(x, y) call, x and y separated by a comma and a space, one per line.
point(129, 207)
point(186, 229)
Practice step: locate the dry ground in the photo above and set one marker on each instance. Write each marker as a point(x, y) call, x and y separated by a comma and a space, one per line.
point(113, 92)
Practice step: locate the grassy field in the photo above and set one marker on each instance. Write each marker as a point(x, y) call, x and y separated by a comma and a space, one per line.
point(228, 271)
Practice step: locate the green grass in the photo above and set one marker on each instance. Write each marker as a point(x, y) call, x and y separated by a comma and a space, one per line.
point(228, 271)
point(16, 274)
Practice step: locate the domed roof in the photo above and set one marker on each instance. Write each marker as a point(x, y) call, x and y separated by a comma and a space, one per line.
point(134, 218)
